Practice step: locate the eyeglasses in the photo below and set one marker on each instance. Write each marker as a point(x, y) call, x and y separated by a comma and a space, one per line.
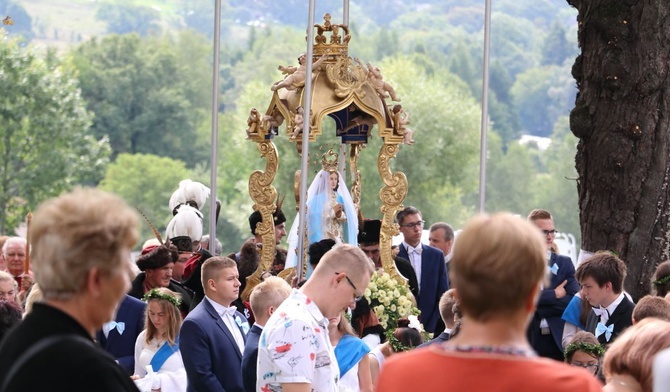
point(413, 224)
point(353, 286)
point(593, 367)
point(549, 232)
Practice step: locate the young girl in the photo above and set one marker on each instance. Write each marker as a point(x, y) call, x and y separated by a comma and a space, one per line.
point(351, 354)
point(158, 363)
point(405, 337)
point(584, 351)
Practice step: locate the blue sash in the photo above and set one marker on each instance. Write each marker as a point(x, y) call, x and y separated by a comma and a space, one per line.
point(349, 351)
point(163, 354)
point(572, 312)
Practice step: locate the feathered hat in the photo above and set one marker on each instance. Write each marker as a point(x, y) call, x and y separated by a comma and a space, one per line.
point(154, 257)
point(191, 193)
point(185, 227)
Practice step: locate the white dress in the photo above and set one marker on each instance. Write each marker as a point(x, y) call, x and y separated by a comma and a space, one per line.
point(171, 377)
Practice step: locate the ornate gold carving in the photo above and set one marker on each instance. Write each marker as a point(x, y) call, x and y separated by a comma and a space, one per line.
point(347, 77)
point(264, 195)
point(354, 151)
point(391, 195)
point(338, 44)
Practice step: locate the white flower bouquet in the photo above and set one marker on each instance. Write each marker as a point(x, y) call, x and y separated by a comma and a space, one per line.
point(389, 300)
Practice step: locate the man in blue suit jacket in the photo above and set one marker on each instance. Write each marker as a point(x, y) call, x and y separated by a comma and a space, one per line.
point(123, 331)
point(264, 300)
point(213, 334)
point(428, 263)
point(546, 329)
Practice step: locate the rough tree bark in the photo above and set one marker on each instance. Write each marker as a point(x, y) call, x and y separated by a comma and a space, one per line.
point(621, 118)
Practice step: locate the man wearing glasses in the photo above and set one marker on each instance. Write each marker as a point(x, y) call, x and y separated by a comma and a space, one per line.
point(428, 263)
point(294, 350)
point(546, 328)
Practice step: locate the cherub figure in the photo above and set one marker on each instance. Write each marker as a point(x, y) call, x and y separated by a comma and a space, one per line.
point(295, 78)
point(400, 122)
point(299, 121)
point(254, 123)
point(376, 79)
point(273, 121)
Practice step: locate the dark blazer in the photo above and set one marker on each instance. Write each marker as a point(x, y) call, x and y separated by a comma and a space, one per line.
point(441, 338)
point(551, 308)
point(250, 358)
point(406, 270)
point(621, 318)
point(67, 365)
point(433, 283)
point(122, 346)
point(212, 359)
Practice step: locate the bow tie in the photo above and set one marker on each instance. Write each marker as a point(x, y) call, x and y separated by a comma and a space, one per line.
point(608, 331)
point(602, 313)
point(416, 250)
point(228, 311)
point(120, 326)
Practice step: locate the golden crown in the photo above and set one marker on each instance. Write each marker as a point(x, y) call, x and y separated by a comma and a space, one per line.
point(329, 160)
point(331, 38)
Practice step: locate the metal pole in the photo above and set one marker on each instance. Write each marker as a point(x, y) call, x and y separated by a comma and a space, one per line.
point(485, 104)
point(343, 147)
point(304, 164)
point(215, 121)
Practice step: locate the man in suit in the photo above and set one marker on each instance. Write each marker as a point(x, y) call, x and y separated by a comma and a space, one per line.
point(118, 337)
point(601, 277)
point(546, 328)
point(442, 237)
point(80, 243)
point(428, 264)
point(447, 303)
point(213, 334)
point(265, 299)
point(368, 241)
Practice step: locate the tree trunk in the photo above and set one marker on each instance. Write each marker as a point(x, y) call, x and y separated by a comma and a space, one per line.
point(621, 120)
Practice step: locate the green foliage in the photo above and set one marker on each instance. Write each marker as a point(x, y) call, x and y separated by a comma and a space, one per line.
point(509, 177)
point(556, 48)
point(541, 95)
point(143, 95)
point(146, 182)
point(129, 18)
point(44, 132)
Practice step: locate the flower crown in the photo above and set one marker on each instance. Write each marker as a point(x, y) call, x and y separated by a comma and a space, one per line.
point(155, 294)
point(396, 344)
point(589, 348)
point(662, 281)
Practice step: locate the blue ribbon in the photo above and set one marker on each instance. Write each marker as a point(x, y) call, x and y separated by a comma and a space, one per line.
point(348, 352)
point(163, 354)
point(608, 331)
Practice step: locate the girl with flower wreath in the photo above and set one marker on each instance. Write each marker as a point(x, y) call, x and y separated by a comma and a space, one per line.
point(584, 351)
point(405, 337)
point(158, 362)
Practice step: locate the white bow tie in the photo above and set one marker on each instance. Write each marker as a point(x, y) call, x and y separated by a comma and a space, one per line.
point(228, 311)
point(416, 250)
point(602, 313)
point(120, 326)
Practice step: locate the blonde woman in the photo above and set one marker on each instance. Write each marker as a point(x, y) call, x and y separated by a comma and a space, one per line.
point(158, 362)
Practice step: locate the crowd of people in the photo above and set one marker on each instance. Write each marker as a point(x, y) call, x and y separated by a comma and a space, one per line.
point(76, 313)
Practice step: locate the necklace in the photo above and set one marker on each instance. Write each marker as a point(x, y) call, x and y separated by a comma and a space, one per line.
point(496, 350)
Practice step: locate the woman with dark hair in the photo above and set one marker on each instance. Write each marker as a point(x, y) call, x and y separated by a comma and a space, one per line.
point(158, 362)
point(10, 315)
point(405, 337)
point(661, 280)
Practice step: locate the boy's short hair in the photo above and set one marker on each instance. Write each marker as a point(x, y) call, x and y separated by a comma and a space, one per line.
point(446, 306)
point(211, 268)
point(539, 214)
point(499, 262)
point(603, 267)
point(271, 292)
point(650, 306)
